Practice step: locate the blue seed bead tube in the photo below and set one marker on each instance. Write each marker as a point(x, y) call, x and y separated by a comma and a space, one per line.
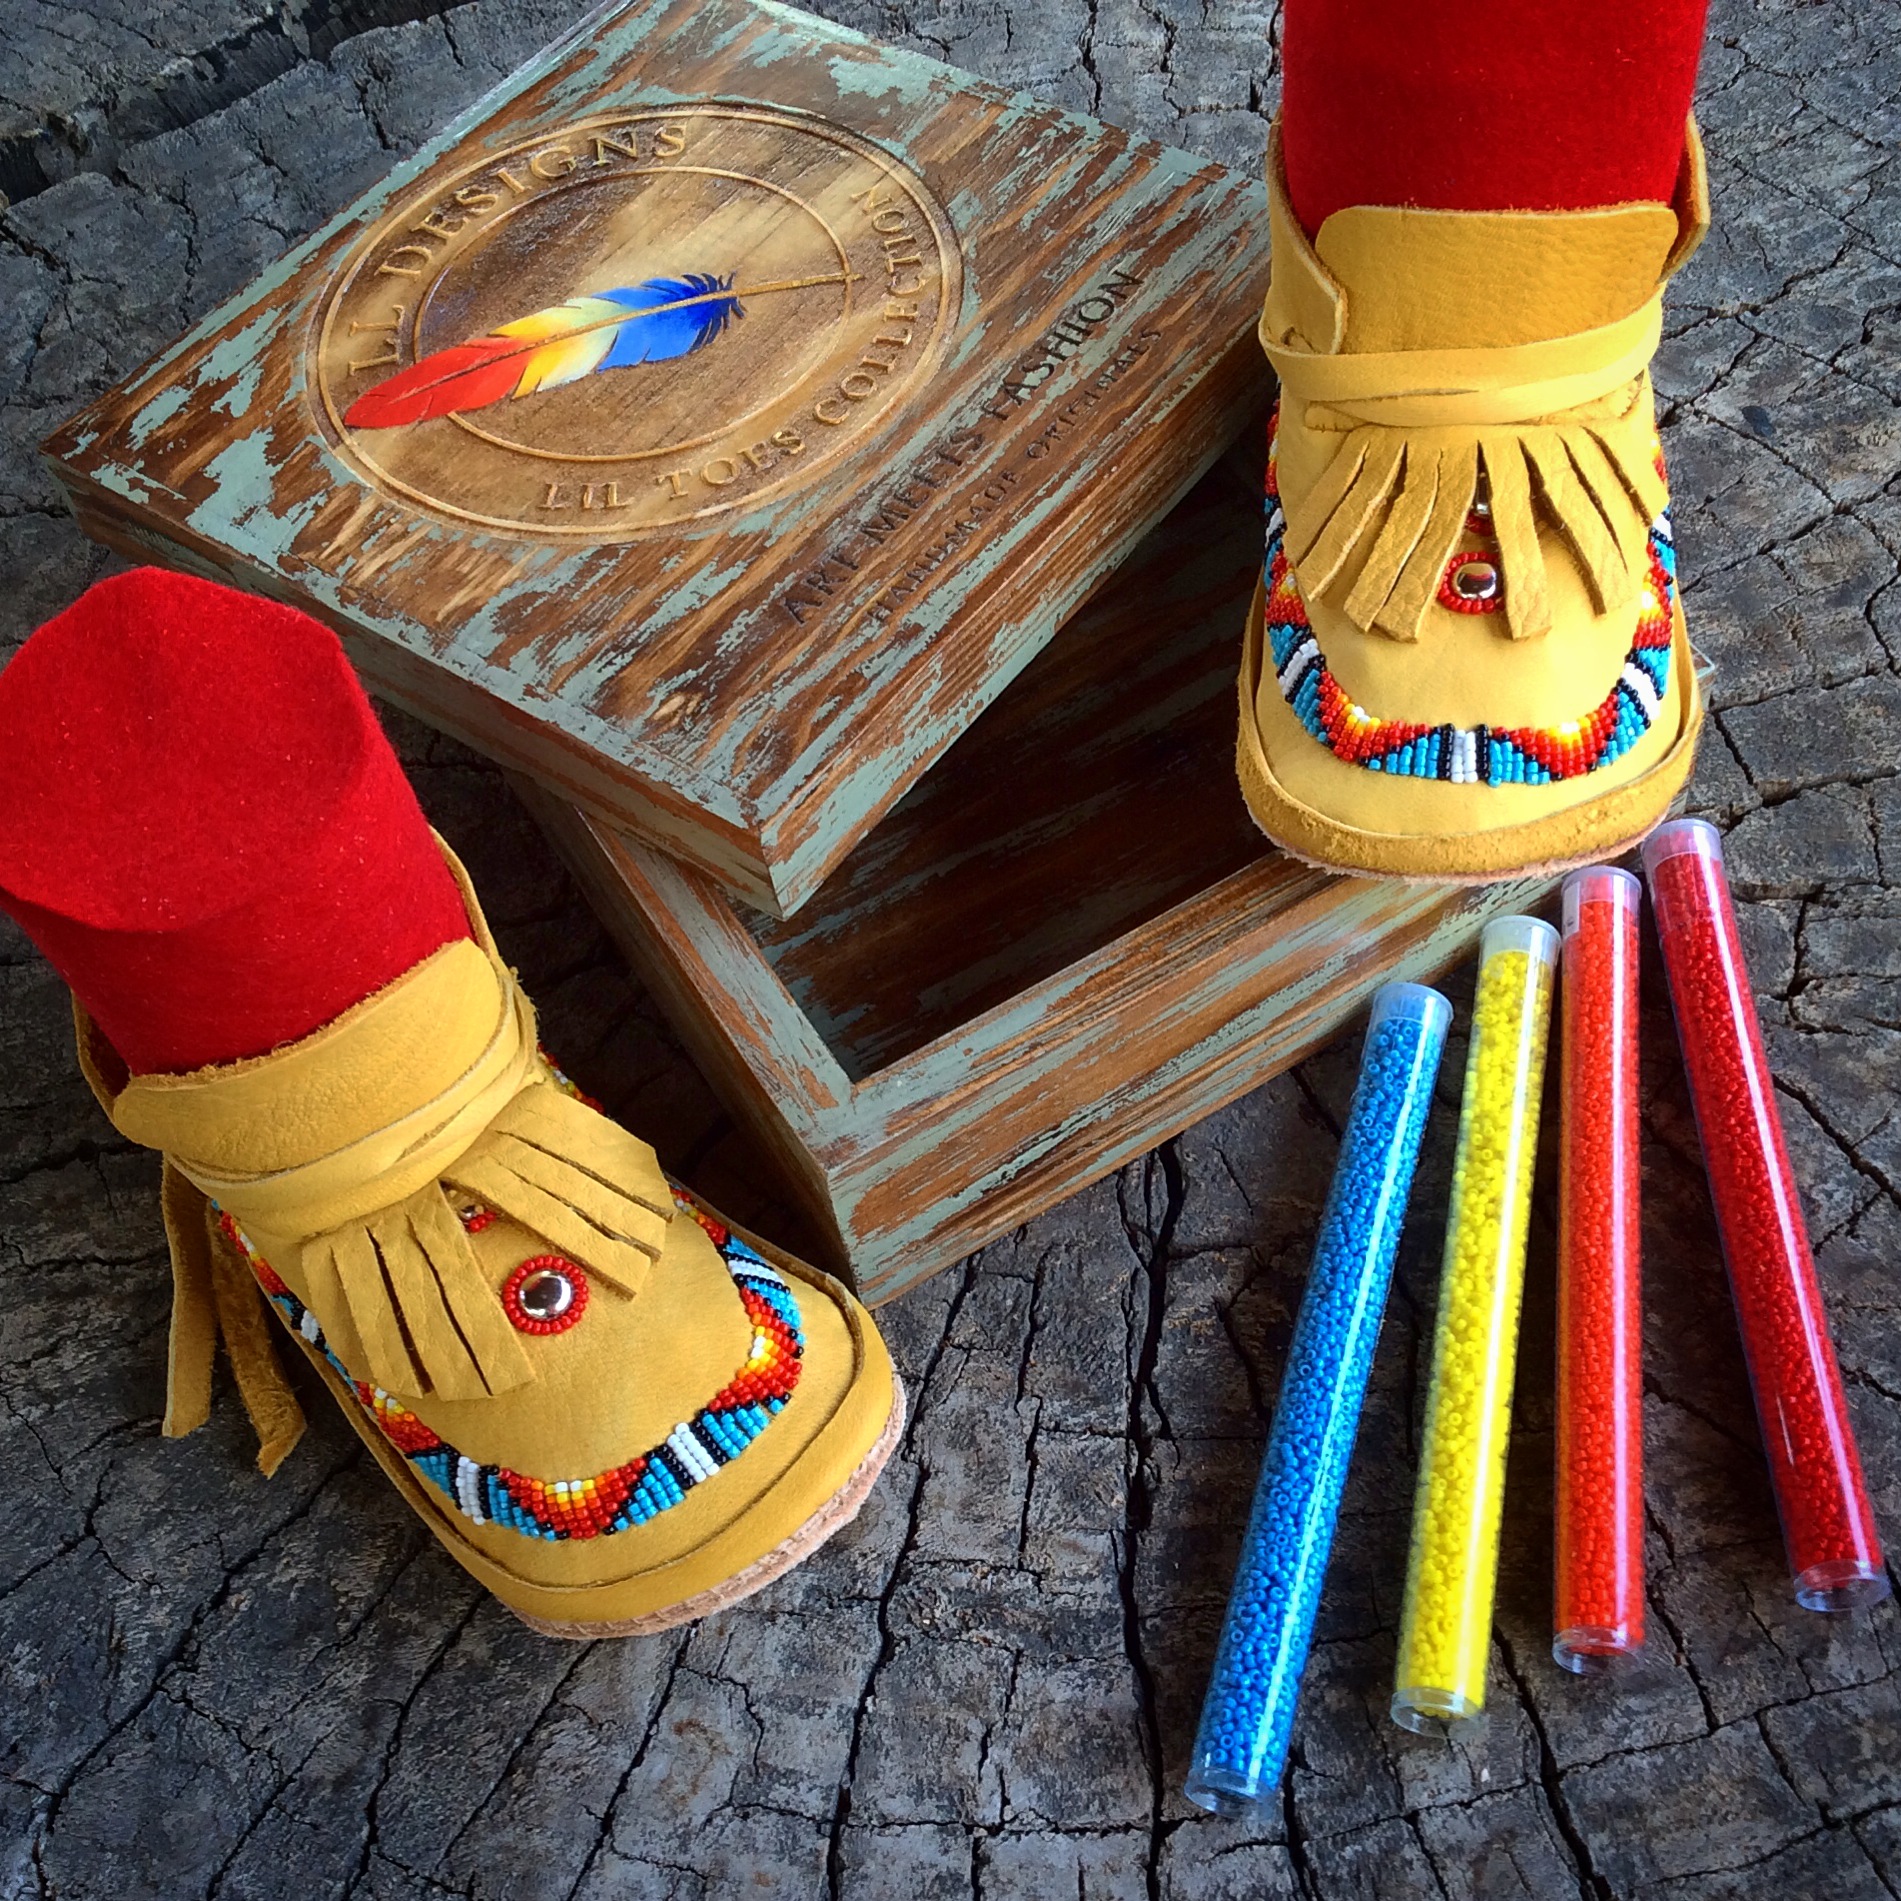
point(1248, 1718)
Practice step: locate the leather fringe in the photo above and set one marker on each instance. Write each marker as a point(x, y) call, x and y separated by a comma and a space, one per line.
point(369, 1216)
point(1397, 499)
point(214, 1296)
point(408, 1277)
point(423, 1309)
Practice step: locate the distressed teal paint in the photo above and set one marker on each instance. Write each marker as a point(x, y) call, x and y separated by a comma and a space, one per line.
point(237, 354)
point(798, 806)
point(133, 485)
point(238, 361)
point(240, 475)
point(156, 414)
point(882, 80)
point(241, 392)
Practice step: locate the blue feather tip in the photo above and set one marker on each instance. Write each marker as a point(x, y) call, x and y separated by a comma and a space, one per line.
point(675, 327)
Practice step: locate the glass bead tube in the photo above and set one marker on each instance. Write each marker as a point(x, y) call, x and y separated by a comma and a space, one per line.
point(1452, 1572)
point(1814, 1465)
point(1598, 1608)
point(1248, 1716)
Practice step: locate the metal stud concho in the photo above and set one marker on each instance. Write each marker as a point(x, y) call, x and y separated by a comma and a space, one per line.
point(1472, 583)
point(546, 1294)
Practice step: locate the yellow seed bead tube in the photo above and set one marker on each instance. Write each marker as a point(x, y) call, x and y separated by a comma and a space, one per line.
point(1446, 1623)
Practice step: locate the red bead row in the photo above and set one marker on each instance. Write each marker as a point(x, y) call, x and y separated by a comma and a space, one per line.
point(1449, 596)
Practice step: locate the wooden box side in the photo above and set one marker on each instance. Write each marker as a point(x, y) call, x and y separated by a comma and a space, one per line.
point(1097, 793)
point(749, 684)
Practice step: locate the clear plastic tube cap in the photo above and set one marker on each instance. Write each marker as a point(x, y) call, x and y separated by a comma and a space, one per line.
point(1227, 1791)
point(1597, 1650)
point(1428, 1710)
point(1680, 836)
point(1411, 1003)
point(1531, 935)
point(1599, 884)
point(1841, 1584)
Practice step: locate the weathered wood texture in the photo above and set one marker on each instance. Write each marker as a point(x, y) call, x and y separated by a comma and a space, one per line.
point(1066, 943)
point(736, 600)
point(209, 1684)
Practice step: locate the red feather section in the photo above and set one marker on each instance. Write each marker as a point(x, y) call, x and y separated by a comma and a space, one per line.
point(466, 376)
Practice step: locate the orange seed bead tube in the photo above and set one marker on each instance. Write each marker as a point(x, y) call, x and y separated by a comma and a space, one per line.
point(1599, 1596)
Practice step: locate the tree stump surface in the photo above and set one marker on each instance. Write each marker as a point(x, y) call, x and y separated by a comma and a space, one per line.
point(215, 1685)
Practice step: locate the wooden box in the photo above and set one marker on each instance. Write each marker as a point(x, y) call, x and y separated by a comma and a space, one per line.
point(1062, 946)
point(954, 351)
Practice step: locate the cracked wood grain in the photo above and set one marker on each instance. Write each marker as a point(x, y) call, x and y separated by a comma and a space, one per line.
point(214, 1686)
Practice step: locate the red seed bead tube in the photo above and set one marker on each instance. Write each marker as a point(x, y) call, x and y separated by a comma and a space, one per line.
point(1599, 1598)
point(1813, 1463)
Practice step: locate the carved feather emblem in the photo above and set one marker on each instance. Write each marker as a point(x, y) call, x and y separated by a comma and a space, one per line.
point(652, 322)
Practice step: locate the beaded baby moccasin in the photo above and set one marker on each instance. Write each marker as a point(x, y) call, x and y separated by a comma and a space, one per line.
point(1466, 658)
point(613, 1410)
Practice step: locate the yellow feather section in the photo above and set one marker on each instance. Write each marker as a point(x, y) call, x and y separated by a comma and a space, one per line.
point(565, 358)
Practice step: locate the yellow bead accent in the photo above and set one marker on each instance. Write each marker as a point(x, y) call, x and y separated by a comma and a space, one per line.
point(1445, 1626)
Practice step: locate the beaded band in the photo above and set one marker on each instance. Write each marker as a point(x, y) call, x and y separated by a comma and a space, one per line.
point(625, 1495)
point(1472, 755)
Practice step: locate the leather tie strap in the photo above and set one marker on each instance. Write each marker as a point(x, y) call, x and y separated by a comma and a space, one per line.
point(1513, 383)
point(350, 1150)
point(1558, 428)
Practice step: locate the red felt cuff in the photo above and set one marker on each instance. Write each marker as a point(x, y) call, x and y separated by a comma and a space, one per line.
point(1484, 105)
point(202, 824)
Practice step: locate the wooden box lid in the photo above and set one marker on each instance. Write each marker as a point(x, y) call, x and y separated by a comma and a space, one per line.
point(954, 351)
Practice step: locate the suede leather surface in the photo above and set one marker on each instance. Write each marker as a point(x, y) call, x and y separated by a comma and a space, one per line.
point(652, 1347)
point(1428, 280)
point(827, 1431)
point(272, 1112)
point(1464, 668)
point(1414, 348)
point(687, 1349)
point(1437, 831)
